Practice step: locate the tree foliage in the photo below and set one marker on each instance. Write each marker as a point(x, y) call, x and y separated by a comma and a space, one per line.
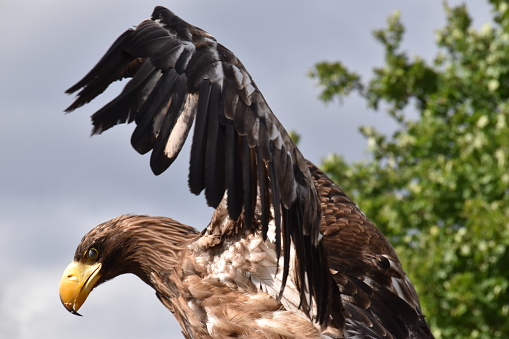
point(438, 187)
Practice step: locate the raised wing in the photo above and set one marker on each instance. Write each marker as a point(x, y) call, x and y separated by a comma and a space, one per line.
point(181, 75)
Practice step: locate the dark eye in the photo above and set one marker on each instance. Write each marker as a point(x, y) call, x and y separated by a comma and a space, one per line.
point(92, 254)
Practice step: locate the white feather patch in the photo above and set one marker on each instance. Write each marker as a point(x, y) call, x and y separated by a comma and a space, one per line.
point(179, 134)
point(266, 279)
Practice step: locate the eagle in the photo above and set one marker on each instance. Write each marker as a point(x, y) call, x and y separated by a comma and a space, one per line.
point(286, 253)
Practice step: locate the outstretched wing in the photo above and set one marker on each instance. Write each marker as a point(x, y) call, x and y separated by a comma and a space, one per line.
point(180, 76)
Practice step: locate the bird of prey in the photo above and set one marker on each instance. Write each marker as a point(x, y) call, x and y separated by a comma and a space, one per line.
point(286, 253)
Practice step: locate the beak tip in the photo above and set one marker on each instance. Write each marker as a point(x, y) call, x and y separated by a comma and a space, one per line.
point(70, 308)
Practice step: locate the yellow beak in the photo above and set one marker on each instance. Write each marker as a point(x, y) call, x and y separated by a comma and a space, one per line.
point(77, 282)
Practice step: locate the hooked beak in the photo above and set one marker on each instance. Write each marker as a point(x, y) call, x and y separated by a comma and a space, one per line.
point(76, 284)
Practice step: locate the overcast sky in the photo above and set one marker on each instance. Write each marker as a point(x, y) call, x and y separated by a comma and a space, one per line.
point(56, 182)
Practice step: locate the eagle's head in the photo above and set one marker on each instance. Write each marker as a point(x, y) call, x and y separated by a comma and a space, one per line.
point(135, 244)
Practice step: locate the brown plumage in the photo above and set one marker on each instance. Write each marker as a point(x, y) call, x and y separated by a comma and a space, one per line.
point(286, 253)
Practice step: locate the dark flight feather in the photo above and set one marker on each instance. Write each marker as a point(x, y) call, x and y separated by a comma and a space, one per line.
point(197, 162)
point(153, 108)
point(111, 67)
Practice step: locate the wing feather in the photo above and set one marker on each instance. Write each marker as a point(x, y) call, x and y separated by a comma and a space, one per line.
point(121, 109)
point(249, 180)
point(111, 67)
point(264, 192)
point(214, 154)
point(152, 112)
point(197, 162)
point(233, 171)
point(160, 159)
point(276, 204)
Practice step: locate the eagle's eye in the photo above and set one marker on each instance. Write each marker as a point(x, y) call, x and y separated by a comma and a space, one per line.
point(92, 254)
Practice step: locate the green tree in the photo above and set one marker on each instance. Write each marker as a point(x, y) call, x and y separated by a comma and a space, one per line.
point(438, 187)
